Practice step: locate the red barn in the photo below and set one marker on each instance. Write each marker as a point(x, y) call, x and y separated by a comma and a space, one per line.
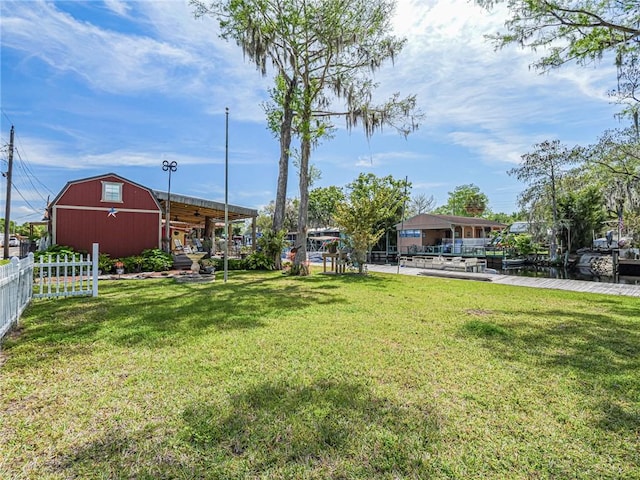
point(123, 217)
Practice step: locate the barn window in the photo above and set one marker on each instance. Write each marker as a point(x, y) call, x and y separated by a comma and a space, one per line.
point(111, 192)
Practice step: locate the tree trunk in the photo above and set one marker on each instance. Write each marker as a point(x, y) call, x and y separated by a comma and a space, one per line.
point(300, 262)
point(303, 211)
point(362, 259)
point(553, 245)
point(283, 166)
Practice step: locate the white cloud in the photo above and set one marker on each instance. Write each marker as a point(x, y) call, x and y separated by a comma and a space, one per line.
point(426, 186)
point(184, 58)
point(58, 155)
point(23, 213)
point(109, 61)
point(446, 49)
point(380, 159)
point(493, 98)
point(491, 148)
point(119, 7)
point(62, 155)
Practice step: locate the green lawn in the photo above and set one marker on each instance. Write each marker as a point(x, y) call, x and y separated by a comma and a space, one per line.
point(329, 377)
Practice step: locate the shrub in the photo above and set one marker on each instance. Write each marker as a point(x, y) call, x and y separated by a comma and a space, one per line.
point(105, 264)
point(155, 260)
point(272, 243)
point(218, 263)
point(258, 261)
point(133, 264)
point(524, 244)
point(62, 251)
point(234, 264)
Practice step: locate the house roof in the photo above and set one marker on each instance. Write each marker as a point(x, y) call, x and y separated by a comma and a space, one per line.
point(428, 221)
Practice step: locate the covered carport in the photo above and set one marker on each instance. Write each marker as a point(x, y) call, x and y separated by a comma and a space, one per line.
point(204, 214)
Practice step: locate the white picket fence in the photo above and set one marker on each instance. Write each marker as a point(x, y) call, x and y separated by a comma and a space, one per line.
point(51, 276)
point(16, 288)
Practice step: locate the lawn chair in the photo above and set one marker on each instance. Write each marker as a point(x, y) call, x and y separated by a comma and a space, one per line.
point(198, 245)
point(180, 247)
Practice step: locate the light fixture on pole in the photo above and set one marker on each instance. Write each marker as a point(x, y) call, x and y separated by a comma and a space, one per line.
point(168, 167)
point(226, 194)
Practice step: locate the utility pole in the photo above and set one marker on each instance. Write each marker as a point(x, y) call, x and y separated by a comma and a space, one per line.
point(7, 211)
point(226, 194)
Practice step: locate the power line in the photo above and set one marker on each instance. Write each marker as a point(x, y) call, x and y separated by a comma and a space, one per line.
point(29, 176)
point(22, 217)
point(28, 169)
point(6, 116)
point(22, 196)
point(25, 162)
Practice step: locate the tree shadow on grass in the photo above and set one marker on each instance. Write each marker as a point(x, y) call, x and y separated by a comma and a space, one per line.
point(157, 313)
point(117, 453)
point(326, 429)
point(325, 426)
point(620, 306)
point(602, 349)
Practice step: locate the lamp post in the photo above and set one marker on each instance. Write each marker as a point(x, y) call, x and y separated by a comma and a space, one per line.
point(168, 167)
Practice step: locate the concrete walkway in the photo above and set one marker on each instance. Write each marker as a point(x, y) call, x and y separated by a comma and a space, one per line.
point(534, 282)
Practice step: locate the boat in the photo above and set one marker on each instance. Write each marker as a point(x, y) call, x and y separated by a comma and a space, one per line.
point(512, 262)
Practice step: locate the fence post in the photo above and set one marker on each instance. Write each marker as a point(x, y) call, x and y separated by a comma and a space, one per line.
point(94, 269)
point(16, 294)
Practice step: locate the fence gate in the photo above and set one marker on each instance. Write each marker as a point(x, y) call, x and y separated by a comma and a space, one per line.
point(64, 277)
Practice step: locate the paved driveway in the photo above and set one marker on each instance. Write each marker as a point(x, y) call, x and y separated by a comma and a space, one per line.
point(13, 251)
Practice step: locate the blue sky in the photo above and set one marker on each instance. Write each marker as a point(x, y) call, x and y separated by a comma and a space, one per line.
point(113, 86)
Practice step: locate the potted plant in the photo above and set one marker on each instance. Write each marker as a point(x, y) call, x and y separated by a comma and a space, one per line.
point(119, 267)
point(207, 266)
point(332, 246)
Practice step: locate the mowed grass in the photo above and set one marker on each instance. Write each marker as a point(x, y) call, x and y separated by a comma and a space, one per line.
point(324, 377)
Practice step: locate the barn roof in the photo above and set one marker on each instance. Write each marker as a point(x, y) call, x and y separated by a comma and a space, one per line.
point(97, 177)
point(183, 208)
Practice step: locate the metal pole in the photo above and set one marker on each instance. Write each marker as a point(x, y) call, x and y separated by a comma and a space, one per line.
point(226, 195)
point(168, 167)
point(404, 203)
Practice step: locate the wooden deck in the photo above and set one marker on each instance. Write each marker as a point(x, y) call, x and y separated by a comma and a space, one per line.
point(532, 282)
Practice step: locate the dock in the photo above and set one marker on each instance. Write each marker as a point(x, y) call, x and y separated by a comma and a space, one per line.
point(531, 282)
point(571, 285)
